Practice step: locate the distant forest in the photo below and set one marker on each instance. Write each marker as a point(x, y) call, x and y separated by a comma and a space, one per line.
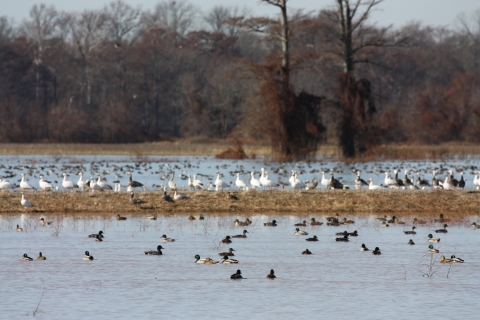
point(125, 75)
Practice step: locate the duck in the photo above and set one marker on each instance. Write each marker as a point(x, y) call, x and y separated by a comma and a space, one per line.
point(444, 260)
point(203, 218)
point(271, 224)
point(134, 200)
point(19, 229)
point(416, 221)
point(474, 225)
point(228, 260)
point(444, 230)
point(353, 234)
point(410, 242)
point(227, 240)
point(45, 223)
point(191, 218)
point(152, 217)
point(301, 224)
point(271, 275)
point(344, 239)
point(431, 249)
point(238, 223)
point(315, 223)
point(229, 253)
point(344, 233)
point(312, 239)
point(307, 252)
point(121, 218)
point(345, 221)
point(441, 219)
point(237, 275)
point(241, 235)
point(455, 259)
point(363, 247)
point(165, 239)
point(41, 257)
point(385, 224)
point(410, 231)
point(94, 235)
point(87, 256)
point(432, 239)
point(376, 251)
point(157, 252)
point(26, 257)
point(300, 232)
point(205, 260)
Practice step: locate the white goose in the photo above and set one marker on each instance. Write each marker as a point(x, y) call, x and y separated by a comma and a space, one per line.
point(4, 184)
point(67, 184)
point(262, 177)
point(104, 185)
point(171, 184)
point(24, 185)
point(325, 181)
point(254, 182)
point(25, 203)
point(179, 196)
point(94, 186)
point(359, 182)
point(197, 183)
point(389, 181)
point(269, 183)
point(476, 181)
point(44, 184)
point(447, 185)
point(220, 184)
point(292, 177)
point(297, 183)
point(190, 183)
point(372, 186)
point(239, 183)
point(81, 183)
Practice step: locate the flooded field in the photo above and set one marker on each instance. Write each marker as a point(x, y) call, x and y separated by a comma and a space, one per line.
point(336, 281)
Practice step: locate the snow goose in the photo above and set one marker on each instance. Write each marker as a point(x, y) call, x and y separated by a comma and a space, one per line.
point(311, 185)
point(453, 181)
point(422, 183)
point(166, 197)
point(359, 182)
point(67, 184)
point(93, 186)
point(292, 177)
point(239, 183)
point(372, 186)
point(44, 184)
point(24, 185)
point(447, 185)
point(25, 203)
point(81, 183)
point(476, 181)
point(335, 184)
point(220, 184)
point(254, 182)
point(297, 183)
point(406, 181)
point(134, 200)
point(179, 196)
point(267, 183)
point(461, 182)
point(104, 185)
point(190, 183)
point(4, 184)
point(171, 184)
point(262, 177)
point(197, 183)
point(324, 181)
point(391, 183)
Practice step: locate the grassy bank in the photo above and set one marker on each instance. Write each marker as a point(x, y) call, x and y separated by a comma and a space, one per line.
point(454, 204)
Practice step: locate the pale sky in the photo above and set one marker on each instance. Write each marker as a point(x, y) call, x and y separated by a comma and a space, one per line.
point(396, 12)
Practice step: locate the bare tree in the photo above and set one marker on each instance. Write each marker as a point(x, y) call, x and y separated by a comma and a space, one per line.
point(471, 27)
point(173, 16)
point(122, 22)
point(218, 18)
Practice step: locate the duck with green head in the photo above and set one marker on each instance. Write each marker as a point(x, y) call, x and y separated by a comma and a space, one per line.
point(87, 256)
point(432, 239)
point(455, 259)
point(204, 261)
point(431, 249)
point(157, 252)
point(26, 257)
point(300, 232)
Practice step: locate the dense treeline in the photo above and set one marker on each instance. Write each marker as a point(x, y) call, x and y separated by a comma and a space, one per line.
point(125, 75)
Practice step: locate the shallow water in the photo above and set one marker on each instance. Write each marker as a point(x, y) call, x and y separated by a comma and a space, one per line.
point(336, 281)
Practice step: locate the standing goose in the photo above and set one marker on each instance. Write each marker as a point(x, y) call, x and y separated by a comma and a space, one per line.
point(476, 181)
point(461, 182)
point(297, 183)
point(4, 184)
point(452, 180)
point(103, 185)
point(435, 182)
point(254, 182)
point(406, 181)
point(262, 177)
point(311, 185)
point(422, 183)
point(44, 184)
point(335, 184)
point(239, 183)
point(81, 183)
point(67, 184)
point(25, 203)
point(24, 185)
point(359, 182)
point(325, 181)
point(267, 183)
point(197, 184)
point(132, 183)
point(399, 181)
point(171, 184)
point(220, 184)
point(391, 183)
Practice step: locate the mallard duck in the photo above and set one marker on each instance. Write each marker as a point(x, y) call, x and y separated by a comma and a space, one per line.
point(271, 275)
point(98, 238)
point(396, 221)
point(363, 248)
point(241, 235)
point(410, 242)
point(474, 225)
point(301, 224)
point(431, 249)
point(152, 217)
point(315, 223)
point(204, 261)
point(416, 221)
point(455, 259)
point(271, 224)
point(248, 222)
point(237, 275)
point(345, 221)
point(202, 217)
point(344, 233)
point(227, 260)
point(444, 230)
point(384, 218)
point(165, 239)
point(333, 223)
point(94, 235)
point(227, 240)
point(307, 252)
point(45, 223)
point(410, 231)
point(87, 256)
point(376, 251)
point(26, 257)
point(432, 239)
point(19, 229)
point(443, 260)
point(229, 253)
point(312, 239)
point(300, 233)
point(121, 218)
point(157, 252)
point(191, 217)
point(385, 224)
point(238, 223)
point(41, 257)
point(344, 239)
point(353, 234)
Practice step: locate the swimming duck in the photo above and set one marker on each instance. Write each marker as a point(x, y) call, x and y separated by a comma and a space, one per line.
point(300, 233)
point(18, 228)
point(410, 231)
point(45, 223)
point(271, 224)
point(444, 230)
point(94, 235)
point(474, 225)
point(312, 239)
point(302, 224)
point(376, 251)
point(307, 252)
point(443, 260)
point(41, 257)
point(241, 235)
point(344, 239)
point(203, 218)
point(237, 275)
point(431, 249)
point(26, 257)
point(238, 223)
point(345, 221)
point(344, 233)
point(395, 220)
point(432, 239)
point(157, 252)
point(227, 260)
point(229, 253)
point(87, 256)
point(248, 221)
point(455, 259)
point(227, 240)
point(315, 223)
point(385, 224)
point(121, 218)
point(353, 234)
point(271, 275)
point(410, 242)
point(165, 239)
point(98, 238)
point(416, 221)
point(191, 217)
point(204, 261)
point(363, 248)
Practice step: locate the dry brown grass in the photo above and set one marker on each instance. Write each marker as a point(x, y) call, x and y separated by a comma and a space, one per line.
point(404, 203)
